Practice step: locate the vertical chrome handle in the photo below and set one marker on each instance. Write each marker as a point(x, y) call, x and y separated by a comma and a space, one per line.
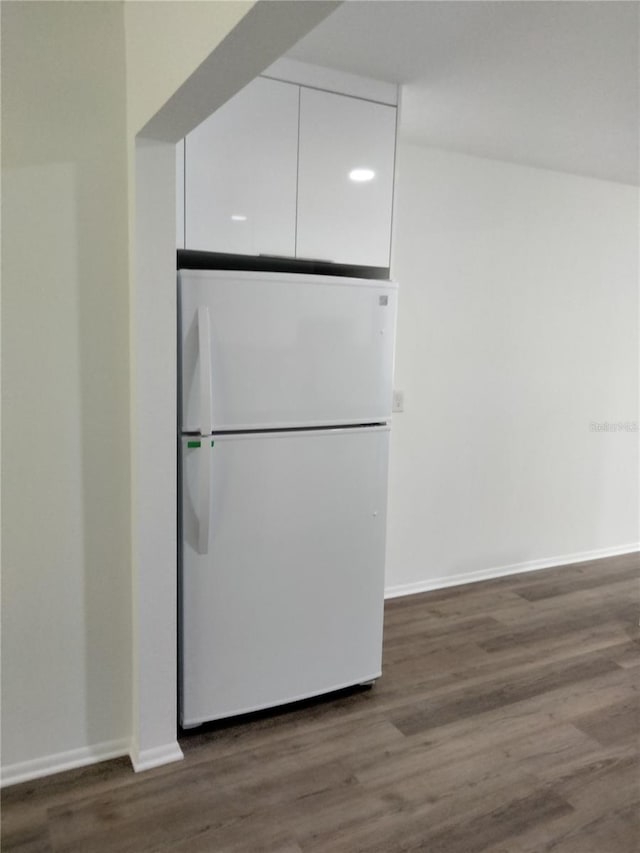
point(204, 496)
point(204, 355)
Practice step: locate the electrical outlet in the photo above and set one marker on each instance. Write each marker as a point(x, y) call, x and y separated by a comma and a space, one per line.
point(398, 401)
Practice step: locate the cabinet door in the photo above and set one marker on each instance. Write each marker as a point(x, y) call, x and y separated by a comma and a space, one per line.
point(341, 219)
point(240, 175)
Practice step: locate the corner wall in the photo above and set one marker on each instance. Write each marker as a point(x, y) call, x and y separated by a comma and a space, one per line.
point(66, 623)
point(517, 328)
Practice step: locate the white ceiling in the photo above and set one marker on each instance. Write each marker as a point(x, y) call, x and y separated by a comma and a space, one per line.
point(549, 84)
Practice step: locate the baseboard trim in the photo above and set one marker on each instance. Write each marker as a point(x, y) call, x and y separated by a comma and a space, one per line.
point(501, 571)
point(36, 768)
point(147, 759)
point(25, 771)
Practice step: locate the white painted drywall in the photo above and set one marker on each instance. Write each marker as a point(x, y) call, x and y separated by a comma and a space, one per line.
point(165, 43)
point(153, 459)
point(517, 327)
point(65, 454)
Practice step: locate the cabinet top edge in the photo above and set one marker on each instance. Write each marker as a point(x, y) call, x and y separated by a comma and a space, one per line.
point(331, 80)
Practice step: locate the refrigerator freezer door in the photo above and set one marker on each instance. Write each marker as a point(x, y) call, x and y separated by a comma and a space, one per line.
point(285, 599)
point(284, 350)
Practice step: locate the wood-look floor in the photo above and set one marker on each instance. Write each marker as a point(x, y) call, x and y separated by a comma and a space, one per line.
point(506, 721)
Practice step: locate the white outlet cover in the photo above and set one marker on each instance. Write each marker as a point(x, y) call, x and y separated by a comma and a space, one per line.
point(398, 401)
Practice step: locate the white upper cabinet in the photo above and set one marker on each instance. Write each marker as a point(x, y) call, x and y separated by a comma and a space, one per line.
point(345, 178)
point(287, 169)
point(241, 173)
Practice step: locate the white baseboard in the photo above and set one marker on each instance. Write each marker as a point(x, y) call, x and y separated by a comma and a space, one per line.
point(147, 759)
point(25, 771)
point(400, 590)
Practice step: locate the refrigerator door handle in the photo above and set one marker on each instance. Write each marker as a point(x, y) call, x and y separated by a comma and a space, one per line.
point(204, 497)
point(204, 355)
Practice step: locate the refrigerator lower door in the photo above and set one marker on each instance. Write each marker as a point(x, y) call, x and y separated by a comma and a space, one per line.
point(282, 569)
point(277, 350)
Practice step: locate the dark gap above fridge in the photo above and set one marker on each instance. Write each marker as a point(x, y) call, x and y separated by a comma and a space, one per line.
point(196, 260)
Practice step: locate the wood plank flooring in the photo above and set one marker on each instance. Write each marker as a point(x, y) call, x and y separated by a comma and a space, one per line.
point(506, 721)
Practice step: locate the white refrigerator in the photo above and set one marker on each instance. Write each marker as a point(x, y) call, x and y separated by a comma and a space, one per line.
point(284, 409)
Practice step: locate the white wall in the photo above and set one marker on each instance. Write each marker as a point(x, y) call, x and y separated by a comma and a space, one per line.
point(65, 453)
point(154, 464)
point(165, 43)
point(518, 326)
